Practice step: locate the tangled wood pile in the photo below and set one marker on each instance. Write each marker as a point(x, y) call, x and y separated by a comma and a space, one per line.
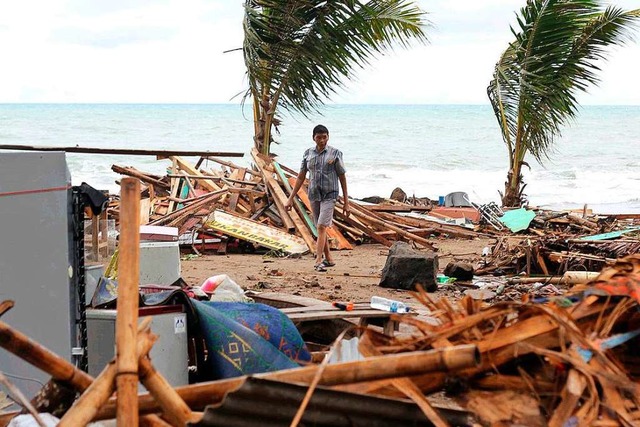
point(568, 361)
point(557, 242)
point(189, 196)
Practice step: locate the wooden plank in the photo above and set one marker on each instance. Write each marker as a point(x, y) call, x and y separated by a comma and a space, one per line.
point(335, 313)
point(571, 394)
point(121, 151)
point(207, 184)
point(146, 178)
point(324, 306)
point(282, 300)
point(214, 178)
point(301, 210)
point(365, 229)
point(277, 194)
point(398, 208)
point(95, 230)
point(280, 199)
point(233, 202)
point(252, 231)
point(145, 208)
point(231, 165)
point(175, 186)
point(361, 212)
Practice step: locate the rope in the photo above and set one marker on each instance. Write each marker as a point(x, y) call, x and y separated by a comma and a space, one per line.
point(41, 190)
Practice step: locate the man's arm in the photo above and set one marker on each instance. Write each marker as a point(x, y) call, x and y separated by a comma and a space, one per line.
point(299, 181)
point(345, 194)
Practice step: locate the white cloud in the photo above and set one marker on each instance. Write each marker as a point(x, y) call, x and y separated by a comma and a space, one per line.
point(172, 51)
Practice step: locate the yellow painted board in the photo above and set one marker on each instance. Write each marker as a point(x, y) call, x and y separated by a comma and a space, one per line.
point(255, 232)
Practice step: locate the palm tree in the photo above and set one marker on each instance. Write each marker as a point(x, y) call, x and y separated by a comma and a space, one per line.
point(299, 52)
point(554, 56)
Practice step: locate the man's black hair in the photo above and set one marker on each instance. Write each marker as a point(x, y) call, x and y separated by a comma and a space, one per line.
point(320, 129)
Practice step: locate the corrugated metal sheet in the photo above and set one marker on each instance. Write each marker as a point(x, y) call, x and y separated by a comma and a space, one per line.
point(270, 403)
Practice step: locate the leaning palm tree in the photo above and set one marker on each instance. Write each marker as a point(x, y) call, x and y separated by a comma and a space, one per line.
point(299, 52)
point(554, 56)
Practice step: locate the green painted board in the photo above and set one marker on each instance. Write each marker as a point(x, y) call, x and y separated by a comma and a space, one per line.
point(611, 235)
point(301, 208)
point(517, 219)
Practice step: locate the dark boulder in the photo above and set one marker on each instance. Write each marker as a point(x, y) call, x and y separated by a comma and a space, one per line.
point(398, 195)
point(460, 270)
point(373, 199)
point(407, 268)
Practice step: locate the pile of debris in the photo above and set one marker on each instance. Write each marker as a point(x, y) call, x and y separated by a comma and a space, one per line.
point(211, 206)
point(567, 360)
point(555, 243)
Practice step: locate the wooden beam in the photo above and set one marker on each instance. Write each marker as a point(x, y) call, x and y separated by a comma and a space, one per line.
point(121, 151)
point(205, 182)
point(449, 359)
point(298, 204)
point(231, 165)
point(127, 315)
point(276, 192)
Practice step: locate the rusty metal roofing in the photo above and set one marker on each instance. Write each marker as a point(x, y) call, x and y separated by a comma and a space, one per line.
point(267, 403)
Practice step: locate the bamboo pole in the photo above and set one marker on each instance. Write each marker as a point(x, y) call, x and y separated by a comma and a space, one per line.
point(42, 358)
point(127, 315)
point(153, 421)
point(452, 358)
point(175, 410)
point(86, 407)
point(20, 399)
point(405, 385)
point(5, 306)
point(568, 278)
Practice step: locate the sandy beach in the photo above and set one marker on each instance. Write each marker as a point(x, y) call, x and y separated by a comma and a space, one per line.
point(354, 278)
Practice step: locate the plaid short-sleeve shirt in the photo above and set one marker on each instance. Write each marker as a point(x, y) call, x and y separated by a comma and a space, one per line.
point(324, 168)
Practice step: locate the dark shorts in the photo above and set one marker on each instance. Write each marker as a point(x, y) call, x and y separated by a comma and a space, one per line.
point(323, 212)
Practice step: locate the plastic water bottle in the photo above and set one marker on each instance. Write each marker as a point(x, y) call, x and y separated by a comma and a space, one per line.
point(380, 303)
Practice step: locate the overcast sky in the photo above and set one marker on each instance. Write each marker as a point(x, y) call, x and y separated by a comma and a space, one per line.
point(171, 51)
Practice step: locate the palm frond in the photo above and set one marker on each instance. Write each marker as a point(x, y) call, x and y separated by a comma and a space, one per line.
point(301, 51)
point(558, 45)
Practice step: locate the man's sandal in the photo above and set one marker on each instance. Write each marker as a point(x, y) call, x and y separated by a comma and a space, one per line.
point(320, 267)
point(328, 264)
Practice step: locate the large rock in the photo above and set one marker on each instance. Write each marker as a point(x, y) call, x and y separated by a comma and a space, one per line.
point(460, 270)
point(398, 195)
point(407, 268)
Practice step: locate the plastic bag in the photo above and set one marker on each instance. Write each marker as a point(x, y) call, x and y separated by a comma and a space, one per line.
point(223, 288)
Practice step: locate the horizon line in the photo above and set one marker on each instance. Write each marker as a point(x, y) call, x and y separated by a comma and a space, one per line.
point(239, 104)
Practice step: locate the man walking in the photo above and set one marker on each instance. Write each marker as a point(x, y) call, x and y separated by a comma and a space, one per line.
point(326, 168)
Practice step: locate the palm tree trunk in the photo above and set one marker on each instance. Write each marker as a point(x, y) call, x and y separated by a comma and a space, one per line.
point(512, 187)
point(257, 124)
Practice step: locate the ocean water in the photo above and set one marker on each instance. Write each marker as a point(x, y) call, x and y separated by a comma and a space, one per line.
point(427, 150)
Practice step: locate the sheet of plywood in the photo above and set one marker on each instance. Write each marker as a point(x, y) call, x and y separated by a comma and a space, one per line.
point(255, 232)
